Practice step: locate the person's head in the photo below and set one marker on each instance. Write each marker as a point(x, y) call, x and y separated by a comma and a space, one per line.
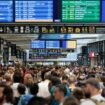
point(78, 93)
point(34, 89)
point(92, 86)
point(72, 79)
point(60, 92)
point(55, 81)
point(71, 101)
point(17, 77)
point(28, 80)
point(21, 89)
point(8, 79)
point(37, 101)
point(6, 94)
point(46, 76)
point(65, 79)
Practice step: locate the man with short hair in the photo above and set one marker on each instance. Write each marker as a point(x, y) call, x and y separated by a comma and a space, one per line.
point(37, 101)
point(92, 87)
point(17, 79)
point(60, 93)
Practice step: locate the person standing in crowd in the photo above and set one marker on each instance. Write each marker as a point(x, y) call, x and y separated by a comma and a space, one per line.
point(44, 86)
point(71, 101)
point(93, 88)
point(52, 86)
point(78, 94)
point(60, 93)
point(7, 78)
point(21, 91)
point(72, 82)
point(17, 78)
point(37, 101)
point(6, 95)
point(65, 81)
point(28, 79)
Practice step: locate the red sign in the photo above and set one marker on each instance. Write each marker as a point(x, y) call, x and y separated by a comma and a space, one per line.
point(92, 54)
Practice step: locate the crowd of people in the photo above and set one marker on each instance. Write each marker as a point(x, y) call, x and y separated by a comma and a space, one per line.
point(52, 85)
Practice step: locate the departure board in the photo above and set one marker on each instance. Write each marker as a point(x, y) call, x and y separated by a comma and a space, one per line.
point(80, 10)
point(52, 44)
point(6, 11)
point(34, 10)
point(37, 44)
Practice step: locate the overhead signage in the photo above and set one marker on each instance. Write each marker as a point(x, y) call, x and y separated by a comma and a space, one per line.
point(52, 29)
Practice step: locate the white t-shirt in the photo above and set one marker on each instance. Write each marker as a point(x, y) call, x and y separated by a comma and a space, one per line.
point(43, 89)
point(90, 102)
point(14, 87)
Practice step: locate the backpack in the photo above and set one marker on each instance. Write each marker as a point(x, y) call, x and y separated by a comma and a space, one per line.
point(102, 102)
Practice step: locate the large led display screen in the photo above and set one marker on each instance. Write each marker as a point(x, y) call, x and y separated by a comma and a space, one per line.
point(52, 44)
point(52, 11)
point(80, 10)
point(69, 44)
point(6, 11)
point(34, 10)
point(37, 44)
